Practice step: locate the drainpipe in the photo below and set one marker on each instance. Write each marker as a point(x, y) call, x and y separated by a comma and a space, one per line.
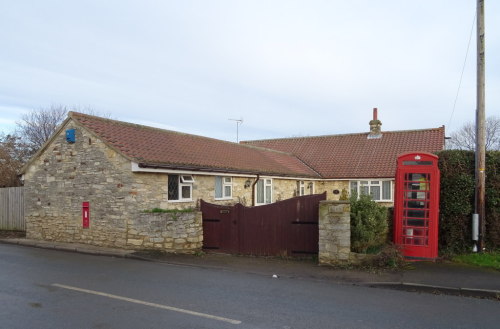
point(253, 189)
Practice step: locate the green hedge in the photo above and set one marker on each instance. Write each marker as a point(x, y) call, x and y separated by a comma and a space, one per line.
point(457, 200)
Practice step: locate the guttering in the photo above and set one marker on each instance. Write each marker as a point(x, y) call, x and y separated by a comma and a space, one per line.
point(171, 169)
point(166, 168)
point(253, 189)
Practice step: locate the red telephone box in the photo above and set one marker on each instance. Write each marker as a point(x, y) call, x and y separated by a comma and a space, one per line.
point(416, 205)
point(85, 214)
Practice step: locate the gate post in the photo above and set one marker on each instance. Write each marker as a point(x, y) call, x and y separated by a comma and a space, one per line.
point(334, 232)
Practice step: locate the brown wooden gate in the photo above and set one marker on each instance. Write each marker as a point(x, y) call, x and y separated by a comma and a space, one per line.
point(288, 227)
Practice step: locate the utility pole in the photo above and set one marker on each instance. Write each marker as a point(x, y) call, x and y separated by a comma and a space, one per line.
point(480, 128)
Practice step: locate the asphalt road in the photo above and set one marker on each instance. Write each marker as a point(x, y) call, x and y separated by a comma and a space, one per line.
point(53, 289)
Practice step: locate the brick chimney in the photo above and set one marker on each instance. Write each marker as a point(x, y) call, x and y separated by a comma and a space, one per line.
point(375, 126)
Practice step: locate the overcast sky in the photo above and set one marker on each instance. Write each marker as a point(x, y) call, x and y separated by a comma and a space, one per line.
point(287, 68)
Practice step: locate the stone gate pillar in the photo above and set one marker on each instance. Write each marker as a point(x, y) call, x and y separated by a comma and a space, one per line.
point(334, 232)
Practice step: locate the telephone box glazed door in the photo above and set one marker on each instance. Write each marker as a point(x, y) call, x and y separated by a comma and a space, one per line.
point(416, 205)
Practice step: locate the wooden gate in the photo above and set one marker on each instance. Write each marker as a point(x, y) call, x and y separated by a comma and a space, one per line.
point(288, 227)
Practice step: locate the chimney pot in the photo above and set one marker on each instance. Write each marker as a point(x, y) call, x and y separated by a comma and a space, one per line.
point(375, 126)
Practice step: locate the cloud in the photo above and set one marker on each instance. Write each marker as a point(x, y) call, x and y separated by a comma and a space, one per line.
point(287, 67)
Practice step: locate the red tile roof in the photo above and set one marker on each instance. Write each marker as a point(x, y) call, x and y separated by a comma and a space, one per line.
point(169, 149)
point(354, 155)
point(331, 157)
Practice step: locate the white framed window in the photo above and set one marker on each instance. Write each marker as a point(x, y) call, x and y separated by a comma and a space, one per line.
point(187, 179)
point(264, 191)
point(223, 187)
point(379, 190)
point(180, 187)
point(310, 186)
point(301, 188)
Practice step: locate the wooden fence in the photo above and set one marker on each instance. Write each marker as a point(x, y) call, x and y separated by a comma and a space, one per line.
point(12, 209)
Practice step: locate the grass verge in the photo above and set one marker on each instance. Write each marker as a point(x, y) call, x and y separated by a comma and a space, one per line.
point(171, 211)
point(485, 259)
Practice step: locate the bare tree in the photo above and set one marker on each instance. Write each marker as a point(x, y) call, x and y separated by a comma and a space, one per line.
point(13, 155)
point(465, 137)
point(33, 130)
point(37, 126)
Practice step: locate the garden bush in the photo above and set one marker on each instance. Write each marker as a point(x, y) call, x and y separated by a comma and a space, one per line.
point(368, 224)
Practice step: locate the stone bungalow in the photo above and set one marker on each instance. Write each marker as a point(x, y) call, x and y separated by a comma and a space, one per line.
point(124, 170)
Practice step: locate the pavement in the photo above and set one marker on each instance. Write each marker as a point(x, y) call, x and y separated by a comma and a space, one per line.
point(427, 277)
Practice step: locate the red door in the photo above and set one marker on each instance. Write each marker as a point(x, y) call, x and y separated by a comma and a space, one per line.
point(416, 206)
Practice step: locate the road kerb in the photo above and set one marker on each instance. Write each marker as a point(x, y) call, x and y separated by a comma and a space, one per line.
point(435, 289)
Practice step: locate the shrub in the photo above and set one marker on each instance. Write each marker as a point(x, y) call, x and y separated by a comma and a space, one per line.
point(390, 256)
point(368, 223)
point(457, 200)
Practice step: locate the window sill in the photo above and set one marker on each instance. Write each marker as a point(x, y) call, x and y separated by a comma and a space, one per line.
point(180, 201)
point(223, 199)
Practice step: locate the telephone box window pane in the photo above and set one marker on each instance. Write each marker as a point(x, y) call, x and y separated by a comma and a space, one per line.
point(417, 163)
point(419, 232)
point(418, 241)
point(416, 177)
point(415, 213)
point(416, 195)
point(415, 204)
point(415, 222)
point(412, 186)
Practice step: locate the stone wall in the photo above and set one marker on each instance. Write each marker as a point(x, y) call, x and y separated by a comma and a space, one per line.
point(330, 186)
point(334, 232)
point(67, 174)
point(204, 188)
point(174, 231)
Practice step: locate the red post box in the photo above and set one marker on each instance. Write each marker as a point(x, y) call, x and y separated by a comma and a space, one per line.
point(416, 205)
point(85, 214)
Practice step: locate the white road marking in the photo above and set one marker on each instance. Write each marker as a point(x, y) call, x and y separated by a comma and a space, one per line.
point(141, 302)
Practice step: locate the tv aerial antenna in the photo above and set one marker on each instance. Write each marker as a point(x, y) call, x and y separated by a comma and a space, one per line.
point(238, 123)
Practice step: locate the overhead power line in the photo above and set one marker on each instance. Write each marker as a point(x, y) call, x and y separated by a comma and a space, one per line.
point(463, 69)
